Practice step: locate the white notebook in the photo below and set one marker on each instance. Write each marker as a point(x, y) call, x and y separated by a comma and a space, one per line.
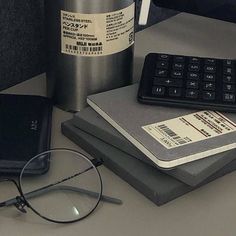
point(168, 136)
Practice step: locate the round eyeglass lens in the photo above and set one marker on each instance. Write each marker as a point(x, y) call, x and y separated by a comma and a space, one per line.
point(66, 188)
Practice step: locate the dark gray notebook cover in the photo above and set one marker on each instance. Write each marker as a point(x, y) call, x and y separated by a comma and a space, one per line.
point(191, 173)
point(155, 185)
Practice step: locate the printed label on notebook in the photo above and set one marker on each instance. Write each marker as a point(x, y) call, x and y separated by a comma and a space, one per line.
point(190, 128)
point(92, 35)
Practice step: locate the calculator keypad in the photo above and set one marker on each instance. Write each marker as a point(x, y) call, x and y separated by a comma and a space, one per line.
point(195, 80)
point(196, 67)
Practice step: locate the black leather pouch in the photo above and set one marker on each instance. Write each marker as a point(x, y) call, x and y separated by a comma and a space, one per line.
point(25, 131)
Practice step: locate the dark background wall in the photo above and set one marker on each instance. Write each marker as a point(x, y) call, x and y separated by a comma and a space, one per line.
point(22, 45)
point(21, 40)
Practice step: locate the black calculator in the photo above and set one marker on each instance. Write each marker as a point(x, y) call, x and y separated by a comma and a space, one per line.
point(188, 81)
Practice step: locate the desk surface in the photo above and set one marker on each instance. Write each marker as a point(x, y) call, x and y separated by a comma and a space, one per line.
point(209, 210)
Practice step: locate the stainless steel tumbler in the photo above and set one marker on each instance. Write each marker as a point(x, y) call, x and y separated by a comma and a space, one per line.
point(90, 48)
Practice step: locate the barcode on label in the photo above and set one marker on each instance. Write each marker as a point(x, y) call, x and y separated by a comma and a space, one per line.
point(172, 134)
point(83, 49)
point(71, 47)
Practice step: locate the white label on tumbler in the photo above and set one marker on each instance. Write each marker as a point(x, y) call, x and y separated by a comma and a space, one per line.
point(190, 128)
point(93, 35)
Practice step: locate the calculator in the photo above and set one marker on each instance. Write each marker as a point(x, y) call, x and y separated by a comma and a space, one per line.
point(188, 81)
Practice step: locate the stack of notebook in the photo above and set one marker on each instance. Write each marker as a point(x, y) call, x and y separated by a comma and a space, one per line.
point(136, 142)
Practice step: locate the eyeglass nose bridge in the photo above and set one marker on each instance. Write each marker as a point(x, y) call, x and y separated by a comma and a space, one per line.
point(20, 204)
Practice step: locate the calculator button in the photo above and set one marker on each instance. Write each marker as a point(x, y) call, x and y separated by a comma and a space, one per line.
point(210, 69)
point(192, 84)
point(192, 94)
point(158, 91)
point(178, 66)
point(228, 70)
point(168, 82)
point(228, 97)
point(228, 63)
point(228, 79)
point(210, 61)
point(179, 59)
point(194, 60)
point(163, 57)
point(161, 73)
point(209, 77)
point(175, 92)
point(193, 67)
point(177, 74)
point(228, 88)
point(162, 65)
point(193, 76)
point(209, 86)
point(208, 95)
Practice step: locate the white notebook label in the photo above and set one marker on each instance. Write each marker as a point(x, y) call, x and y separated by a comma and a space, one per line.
point(191, 128)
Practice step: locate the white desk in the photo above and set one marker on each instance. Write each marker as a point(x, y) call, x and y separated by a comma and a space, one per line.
point(208, 211)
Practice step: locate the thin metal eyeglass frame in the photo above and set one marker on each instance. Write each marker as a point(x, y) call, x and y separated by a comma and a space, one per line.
point(20, 201)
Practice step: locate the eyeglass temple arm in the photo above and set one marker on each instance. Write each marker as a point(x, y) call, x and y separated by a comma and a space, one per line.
point(50, 187)
point(44, 190)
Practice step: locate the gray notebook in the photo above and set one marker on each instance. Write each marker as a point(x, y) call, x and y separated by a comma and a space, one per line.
point(152, 183)
point(191, 173)
point(167, 136)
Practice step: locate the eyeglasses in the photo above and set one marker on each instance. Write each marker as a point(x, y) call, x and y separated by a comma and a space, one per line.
point(59, 185)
